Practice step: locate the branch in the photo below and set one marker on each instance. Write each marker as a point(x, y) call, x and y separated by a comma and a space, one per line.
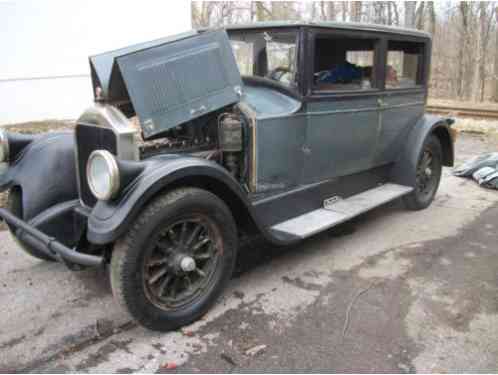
point(353, 301)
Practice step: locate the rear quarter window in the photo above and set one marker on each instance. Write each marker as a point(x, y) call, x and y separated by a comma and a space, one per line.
point(404, 65)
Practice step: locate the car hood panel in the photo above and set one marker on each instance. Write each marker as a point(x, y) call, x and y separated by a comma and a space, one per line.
point(170, 81)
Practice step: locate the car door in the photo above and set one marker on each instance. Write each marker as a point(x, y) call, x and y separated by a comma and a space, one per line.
point(403, 101)
point(342, 106)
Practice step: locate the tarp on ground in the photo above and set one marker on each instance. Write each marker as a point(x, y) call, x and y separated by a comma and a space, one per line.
point(482, 168)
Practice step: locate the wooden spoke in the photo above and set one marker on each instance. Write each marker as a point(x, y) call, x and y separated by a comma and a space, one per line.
point(168, 283)
point(193, 236)
point(201, 243)
point(164, 284)
point(157, 275)
point(200, 272)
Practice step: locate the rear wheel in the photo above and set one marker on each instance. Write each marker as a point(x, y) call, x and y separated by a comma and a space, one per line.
point(14, 205)
point(168, 270)
point(428, 175)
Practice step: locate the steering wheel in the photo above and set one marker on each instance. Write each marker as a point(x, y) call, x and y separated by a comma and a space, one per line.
point(277, 73)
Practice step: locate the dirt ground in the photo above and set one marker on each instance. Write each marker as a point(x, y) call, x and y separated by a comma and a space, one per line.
point(393, 290)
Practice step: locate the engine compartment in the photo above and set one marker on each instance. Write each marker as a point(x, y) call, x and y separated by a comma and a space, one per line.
point(220, 136)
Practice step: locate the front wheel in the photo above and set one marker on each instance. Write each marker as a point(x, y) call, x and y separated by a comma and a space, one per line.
point(168, 270)
point(428, 175)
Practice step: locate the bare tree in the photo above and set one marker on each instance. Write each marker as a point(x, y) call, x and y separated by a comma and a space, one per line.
point(432, 17)
point(332, 11)
point(485, 17)
point(465, 34)
point(494, 95)
point(356, 11)
point(464, 9)
point(344, 11)
point(419, 16)
point(394, 7)
point(410, 13)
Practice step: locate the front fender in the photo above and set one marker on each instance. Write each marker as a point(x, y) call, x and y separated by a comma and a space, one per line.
point(45, 171)
point(404, 170)
point(110, 219)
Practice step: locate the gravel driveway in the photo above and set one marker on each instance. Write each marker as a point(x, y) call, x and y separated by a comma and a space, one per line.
point(392, 290)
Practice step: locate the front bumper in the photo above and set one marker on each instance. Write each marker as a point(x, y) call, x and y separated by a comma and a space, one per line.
point(30, 235)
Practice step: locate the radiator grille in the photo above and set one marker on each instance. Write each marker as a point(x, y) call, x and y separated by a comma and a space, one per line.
point(88, 139)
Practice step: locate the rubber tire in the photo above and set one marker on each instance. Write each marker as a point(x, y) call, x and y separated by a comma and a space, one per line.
point(414, 201)
point(14, 205)
point(127, 257)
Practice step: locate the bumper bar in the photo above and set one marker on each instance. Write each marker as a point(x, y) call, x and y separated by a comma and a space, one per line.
point(48, 245)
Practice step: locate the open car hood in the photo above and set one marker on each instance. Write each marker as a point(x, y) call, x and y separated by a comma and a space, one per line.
point(170, 81)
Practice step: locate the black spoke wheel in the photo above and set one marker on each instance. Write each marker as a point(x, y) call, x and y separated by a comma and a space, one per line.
point(181, 261)
point(175, 260)
point(427, 175)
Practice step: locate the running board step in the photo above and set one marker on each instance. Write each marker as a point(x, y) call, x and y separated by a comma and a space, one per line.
point(340, 211)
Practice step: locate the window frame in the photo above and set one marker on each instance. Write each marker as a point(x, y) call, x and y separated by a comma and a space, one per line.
point(296, 91)
point(308, 60)
point(315, 33)
point(422, 71)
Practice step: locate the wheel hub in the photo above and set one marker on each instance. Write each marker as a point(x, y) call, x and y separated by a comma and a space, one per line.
point(187, 264)
point(180, 262)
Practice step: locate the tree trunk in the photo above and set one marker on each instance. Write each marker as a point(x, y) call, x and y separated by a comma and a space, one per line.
point(485, 18)
point(356, 11)
point(332, 16)
point(495, 67)
point(395, 12)
point(432, 17)
point(419, 16)
point(464, 10)
point(410, 13)
point(344, 11)
point(262, 14)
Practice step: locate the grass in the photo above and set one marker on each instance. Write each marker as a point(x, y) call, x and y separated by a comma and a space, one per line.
point(37, 127)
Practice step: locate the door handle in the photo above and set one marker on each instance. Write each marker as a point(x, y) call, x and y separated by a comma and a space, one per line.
point(306, 150)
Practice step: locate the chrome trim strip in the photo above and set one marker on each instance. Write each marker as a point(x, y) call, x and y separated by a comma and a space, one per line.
point(4, 144)
point(291, 191)
point(337, 111)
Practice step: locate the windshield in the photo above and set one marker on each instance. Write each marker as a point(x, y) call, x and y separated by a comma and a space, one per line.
point(266, 54)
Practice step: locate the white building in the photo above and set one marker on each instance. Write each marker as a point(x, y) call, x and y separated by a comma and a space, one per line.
point(45, 44)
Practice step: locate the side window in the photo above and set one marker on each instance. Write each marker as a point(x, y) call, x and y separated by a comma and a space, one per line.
point(281, 61)
point(343, 63)
point(244, 56)
point(404, 64)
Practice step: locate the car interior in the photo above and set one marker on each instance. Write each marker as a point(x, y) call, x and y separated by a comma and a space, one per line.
point(343, 64)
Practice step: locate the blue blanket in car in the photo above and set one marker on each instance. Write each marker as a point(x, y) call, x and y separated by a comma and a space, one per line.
point(345, 73)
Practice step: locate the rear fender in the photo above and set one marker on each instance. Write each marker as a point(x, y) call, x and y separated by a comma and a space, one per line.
point(110, 219)
point(404, 171)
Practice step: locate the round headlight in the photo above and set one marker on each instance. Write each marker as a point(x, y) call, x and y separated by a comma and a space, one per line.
point(103, 174)
point(4, 147)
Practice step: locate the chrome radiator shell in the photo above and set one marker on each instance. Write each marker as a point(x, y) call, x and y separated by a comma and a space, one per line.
point(102, 127)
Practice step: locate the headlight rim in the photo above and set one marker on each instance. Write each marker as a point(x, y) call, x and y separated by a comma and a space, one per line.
point(114, 175)
point(4, 144)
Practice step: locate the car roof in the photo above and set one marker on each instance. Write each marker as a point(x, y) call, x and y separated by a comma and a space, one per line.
point(331, 25)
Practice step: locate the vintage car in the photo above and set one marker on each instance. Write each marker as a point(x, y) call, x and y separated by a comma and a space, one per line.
point(280, 130)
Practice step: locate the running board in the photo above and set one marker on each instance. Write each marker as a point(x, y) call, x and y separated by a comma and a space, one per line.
point(337, 211)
